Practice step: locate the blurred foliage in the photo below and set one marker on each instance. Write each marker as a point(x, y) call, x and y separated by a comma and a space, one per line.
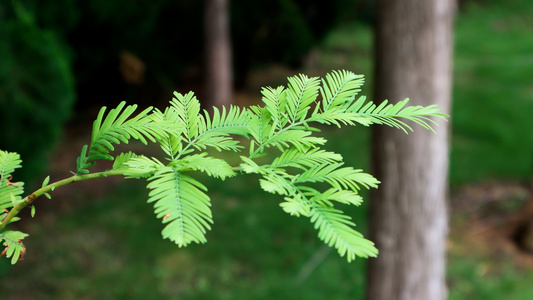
point(168, 36)
point(283, 31)
point(36, 87)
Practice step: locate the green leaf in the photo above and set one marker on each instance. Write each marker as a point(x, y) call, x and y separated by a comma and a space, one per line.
point(14, 248)
point(335, 229)
point(276, 103)
point(215, 132)
point(9, 161)
point(232, 121)
point(181, 203)
point(171, 143)
point(340, 178)
point(295, 158)
point(188, 112)
point(82, 163)
point(296, 206)
point(277, 184)
point(202, 130)
point(341, 196)
point(214, 167)
point(122, 159)
point(9, 191)
point(250, 167)
point(340, 116)
point(260, 126)
point(389, 114)
point(300, 139)
point(142, 167)
point(117, 128)
point(45, 182)
point(339, 88)
point(301, 92)
point(10, 196)
point(33, 211)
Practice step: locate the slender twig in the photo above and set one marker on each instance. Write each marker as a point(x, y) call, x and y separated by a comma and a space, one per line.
point(31, 197)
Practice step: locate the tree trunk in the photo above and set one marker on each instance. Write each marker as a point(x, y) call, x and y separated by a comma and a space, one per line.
point(408, 215)
point(218, 85)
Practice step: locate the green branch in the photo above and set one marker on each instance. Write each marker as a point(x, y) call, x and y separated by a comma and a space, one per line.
point(51, 187)
point(181, 202)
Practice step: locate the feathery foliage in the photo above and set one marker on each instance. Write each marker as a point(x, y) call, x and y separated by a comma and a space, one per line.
point(10, 196)
point(283, 148)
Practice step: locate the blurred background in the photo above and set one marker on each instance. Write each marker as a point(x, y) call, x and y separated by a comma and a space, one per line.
point(60, 61)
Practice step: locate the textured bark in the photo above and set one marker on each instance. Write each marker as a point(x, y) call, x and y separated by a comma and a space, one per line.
point(408, 217)
point(219, 78)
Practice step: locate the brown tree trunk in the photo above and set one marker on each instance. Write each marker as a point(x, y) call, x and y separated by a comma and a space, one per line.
point(218, 61)
point(408, 217)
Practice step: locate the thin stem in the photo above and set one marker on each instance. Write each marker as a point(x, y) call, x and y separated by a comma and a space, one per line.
point(31, 197)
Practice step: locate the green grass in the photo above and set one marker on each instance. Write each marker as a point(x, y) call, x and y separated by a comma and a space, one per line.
point(110, 248)
point(493, 95)
point(481, 277)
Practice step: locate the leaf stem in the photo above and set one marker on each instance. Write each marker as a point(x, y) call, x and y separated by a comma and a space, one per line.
point(31, 197)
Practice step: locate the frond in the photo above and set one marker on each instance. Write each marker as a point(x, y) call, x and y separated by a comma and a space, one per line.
point(388, 114)
point(215, 132)
point(181, 203)
point(249, 166)
point(278, 183)
point(212, 166)
point(304, 159)
point(172, 146)
point(122, 159)
point(188, 112)
point(9, 191)
point(300, 139)
point(340, 196)
point(336, 230)
point(202, 130)
point(339, 115)
point(168, 120)
point(232, 121)
point(276, 103)
point(116, 128)
point(142, 167)
point(171, 143)
point(339, 88)
point(10, 195)
point(9, 161)
point(14, 248)
point(217, 142)
point(296, 206)
point(259, 124)
point(82, 162)
point(301, 92)
point(340, 178)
